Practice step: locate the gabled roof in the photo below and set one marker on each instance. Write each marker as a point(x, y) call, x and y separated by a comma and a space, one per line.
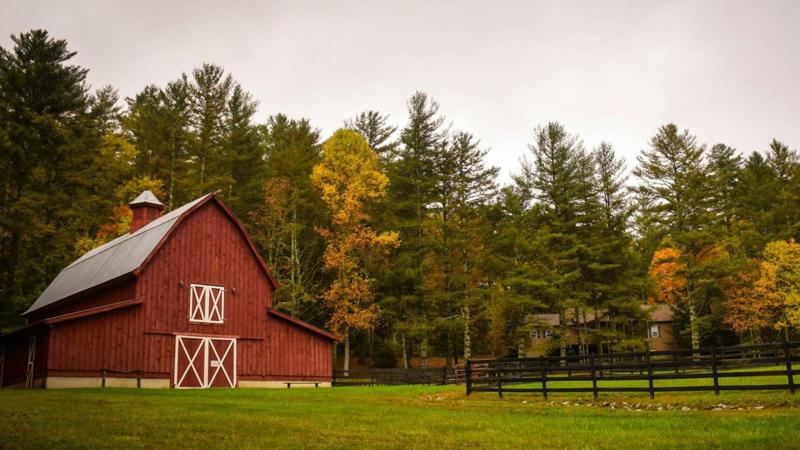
point(125, 255)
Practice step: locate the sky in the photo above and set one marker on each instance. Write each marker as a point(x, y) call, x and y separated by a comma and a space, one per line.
point(729, 71)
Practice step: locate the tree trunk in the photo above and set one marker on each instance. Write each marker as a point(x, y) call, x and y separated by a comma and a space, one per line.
point(695, 332)
point(563, 338)
point(423, 351)
point(467, 338)
point(347, 352)
point(405, 350)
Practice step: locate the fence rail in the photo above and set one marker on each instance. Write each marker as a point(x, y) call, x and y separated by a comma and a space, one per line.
point(708, 363)
point(376, 377)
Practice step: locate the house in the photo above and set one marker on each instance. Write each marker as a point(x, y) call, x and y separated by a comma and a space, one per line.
point(577, 328)
point(183, 300)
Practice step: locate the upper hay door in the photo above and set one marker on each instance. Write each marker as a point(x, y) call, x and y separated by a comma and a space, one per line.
point(206, 304)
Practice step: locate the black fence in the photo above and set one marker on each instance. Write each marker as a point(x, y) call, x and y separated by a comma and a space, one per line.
point(714, 364)
point(391, 377)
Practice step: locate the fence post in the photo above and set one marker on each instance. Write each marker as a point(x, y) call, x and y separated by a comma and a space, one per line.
point(714, 369)
point(444, 376)
point(468, 375)
point(499, 376)
point(594, 376)
point(544, 376)
point(675, 360)
point(139, 376)
point(103, 382)
point(788, 357)
point(333, 377)
point(650, 376)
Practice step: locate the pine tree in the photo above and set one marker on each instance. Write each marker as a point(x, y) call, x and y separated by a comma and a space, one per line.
point(559, 181)
point(210, 90)
point(50, 132)
point(284, 223)
point(725, 170)
point(243, 154)
point(376, 130)
point(672, 173)
point(157, 122)
point(412, 190)
point(465, 185)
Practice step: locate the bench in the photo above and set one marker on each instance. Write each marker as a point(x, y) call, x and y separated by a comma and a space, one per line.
point(290, 383)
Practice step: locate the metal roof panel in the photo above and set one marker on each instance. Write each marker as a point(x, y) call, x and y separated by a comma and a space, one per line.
point(111, 260)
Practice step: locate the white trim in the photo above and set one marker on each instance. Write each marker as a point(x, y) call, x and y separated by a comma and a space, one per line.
point(31, 361)
point(208, 344)
point(206, 303)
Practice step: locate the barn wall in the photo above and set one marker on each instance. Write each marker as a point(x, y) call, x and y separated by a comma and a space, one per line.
point(205, 248)
point(289, 353)
point(208, 248)
point(111, 340)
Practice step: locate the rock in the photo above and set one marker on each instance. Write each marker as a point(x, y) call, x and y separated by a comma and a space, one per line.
point(660, 408)
point(716, 409)
point(759, 407)
point(685, 408)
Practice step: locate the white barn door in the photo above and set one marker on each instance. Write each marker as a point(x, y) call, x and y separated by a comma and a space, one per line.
point(203, 362)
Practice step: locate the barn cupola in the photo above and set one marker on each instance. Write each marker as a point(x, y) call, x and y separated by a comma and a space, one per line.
point(145, 208)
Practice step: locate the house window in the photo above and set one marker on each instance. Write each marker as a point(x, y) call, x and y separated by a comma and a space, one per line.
point(206, 303)
point(544, 334)
point(655, 331)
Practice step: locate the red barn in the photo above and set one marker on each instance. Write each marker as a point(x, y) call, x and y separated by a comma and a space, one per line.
point(183, 300)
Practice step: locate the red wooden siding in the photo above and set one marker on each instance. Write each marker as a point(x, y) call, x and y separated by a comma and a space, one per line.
point(292, 352)
point(111, 340)
point(205, 248)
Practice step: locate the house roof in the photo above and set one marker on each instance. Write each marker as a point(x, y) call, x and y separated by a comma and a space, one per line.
point(658, 313)
point(124, 255)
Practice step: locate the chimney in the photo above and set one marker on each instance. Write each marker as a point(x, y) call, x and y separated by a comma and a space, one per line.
point(145, 208)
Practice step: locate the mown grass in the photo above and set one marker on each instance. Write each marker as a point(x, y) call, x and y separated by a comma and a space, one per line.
point(391, 417)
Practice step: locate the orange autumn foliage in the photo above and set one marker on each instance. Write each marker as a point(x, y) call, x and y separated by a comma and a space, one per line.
point(666, 271)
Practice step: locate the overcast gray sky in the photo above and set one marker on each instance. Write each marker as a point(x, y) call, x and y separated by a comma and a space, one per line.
point(727, 70)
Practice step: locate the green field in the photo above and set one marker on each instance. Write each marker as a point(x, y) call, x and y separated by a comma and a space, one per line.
point(392, 417)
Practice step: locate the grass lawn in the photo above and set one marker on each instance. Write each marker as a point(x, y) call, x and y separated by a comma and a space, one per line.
point(393, 417)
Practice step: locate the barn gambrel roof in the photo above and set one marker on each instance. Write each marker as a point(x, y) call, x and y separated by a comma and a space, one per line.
point(123, 256)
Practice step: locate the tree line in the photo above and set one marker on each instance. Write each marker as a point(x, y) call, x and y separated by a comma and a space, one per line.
point(397, 234)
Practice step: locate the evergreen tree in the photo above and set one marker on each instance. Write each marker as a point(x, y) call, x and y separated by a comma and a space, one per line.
point(672, 173)
point(284, 225)
point(376, 130)
point(243, 154)
point(157, 122)
point(559, 181)
point(412, 190)
point(50, 132)
point(210, 91)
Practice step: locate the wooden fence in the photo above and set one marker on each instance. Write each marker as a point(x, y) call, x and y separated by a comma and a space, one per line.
point(376, 377)
point(714, 364)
